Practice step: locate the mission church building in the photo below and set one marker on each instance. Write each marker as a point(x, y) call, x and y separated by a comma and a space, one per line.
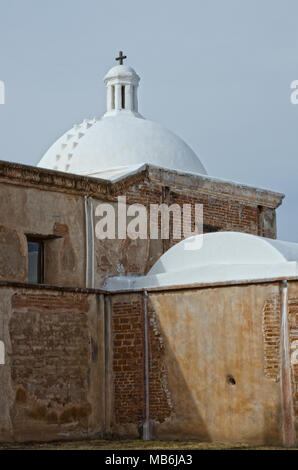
point(142, 337)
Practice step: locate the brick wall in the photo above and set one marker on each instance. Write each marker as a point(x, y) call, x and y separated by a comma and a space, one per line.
point(128, 359)
point(50, 353)
point(271, 332)
point(50, 357)
point(51, 205)
point(138, 256)
point(219, 214)
point(52, 382)
point(54, 357)
point(129, 365)
point(222, 214)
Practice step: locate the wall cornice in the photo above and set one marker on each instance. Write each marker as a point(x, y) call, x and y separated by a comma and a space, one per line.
point(51, 180)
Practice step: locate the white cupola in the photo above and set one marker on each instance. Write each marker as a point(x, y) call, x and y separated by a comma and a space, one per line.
point(122, 83)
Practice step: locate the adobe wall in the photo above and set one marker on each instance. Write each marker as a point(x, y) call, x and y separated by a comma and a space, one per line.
point(221, 213)
point(214, 364)
point(211, 335)
point(53, 380)
point(75, 363)
point(44, 213)
point(51, 204)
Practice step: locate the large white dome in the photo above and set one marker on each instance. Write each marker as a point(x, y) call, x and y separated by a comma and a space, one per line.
point(122, 137)
point(119, 141)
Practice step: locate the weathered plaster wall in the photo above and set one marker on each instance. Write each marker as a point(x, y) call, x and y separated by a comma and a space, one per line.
point(51, 204)
point(75, 363)
point(214, 364)
point(130, 257)
point(115, 257)
point(43, 213)
point(209, 335)
point(267, 222)
point(52, 384)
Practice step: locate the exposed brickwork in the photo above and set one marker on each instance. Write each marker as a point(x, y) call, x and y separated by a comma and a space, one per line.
point(50, 367)
point(50, 356)
point(128, 360)
point(60, 198)
point(128, 365)
point(50, 302)
point(52, 180)
point(221, 213)
point(271, 331)
point(224, 215)
point(293, 332)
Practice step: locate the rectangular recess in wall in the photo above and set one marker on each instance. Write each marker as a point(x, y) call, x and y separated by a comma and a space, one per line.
point(35, 260)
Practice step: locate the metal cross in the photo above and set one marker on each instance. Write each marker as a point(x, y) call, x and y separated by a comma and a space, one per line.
point(121, 57)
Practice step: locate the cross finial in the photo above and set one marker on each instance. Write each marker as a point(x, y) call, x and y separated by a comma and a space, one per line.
point(121, 58)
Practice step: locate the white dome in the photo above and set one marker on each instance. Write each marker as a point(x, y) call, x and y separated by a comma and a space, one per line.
point(116, 141)
point(225, 248)
point(216, 258)
point(121, 71)
point(122, 137)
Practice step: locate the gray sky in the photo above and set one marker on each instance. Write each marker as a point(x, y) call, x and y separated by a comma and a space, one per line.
point(216, 72)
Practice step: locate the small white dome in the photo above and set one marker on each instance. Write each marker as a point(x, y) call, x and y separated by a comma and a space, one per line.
point(216, 258)
point(122, 137)
point(225, 248)
point(121, 71)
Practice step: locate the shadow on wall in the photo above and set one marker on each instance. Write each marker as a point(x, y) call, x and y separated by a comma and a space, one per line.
point(208, 362)
point(173, 409)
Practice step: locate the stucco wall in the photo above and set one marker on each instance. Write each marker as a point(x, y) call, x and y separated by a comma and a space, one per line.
point(214, 364)
point(44, 213)
point(209, 335)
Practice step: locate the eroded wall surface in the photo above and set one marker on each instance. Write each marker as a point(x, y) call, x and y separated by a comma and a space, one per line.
point(220, 213)
point(214, 364)
point(75, 363)
point(52, 382)
point(293, 339)
point(215, 361)
point(51, 205)
point(56, 216)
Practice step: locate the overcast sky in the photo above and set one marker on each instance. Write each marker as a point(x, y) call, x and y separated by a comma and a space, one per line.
point(216, 72)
